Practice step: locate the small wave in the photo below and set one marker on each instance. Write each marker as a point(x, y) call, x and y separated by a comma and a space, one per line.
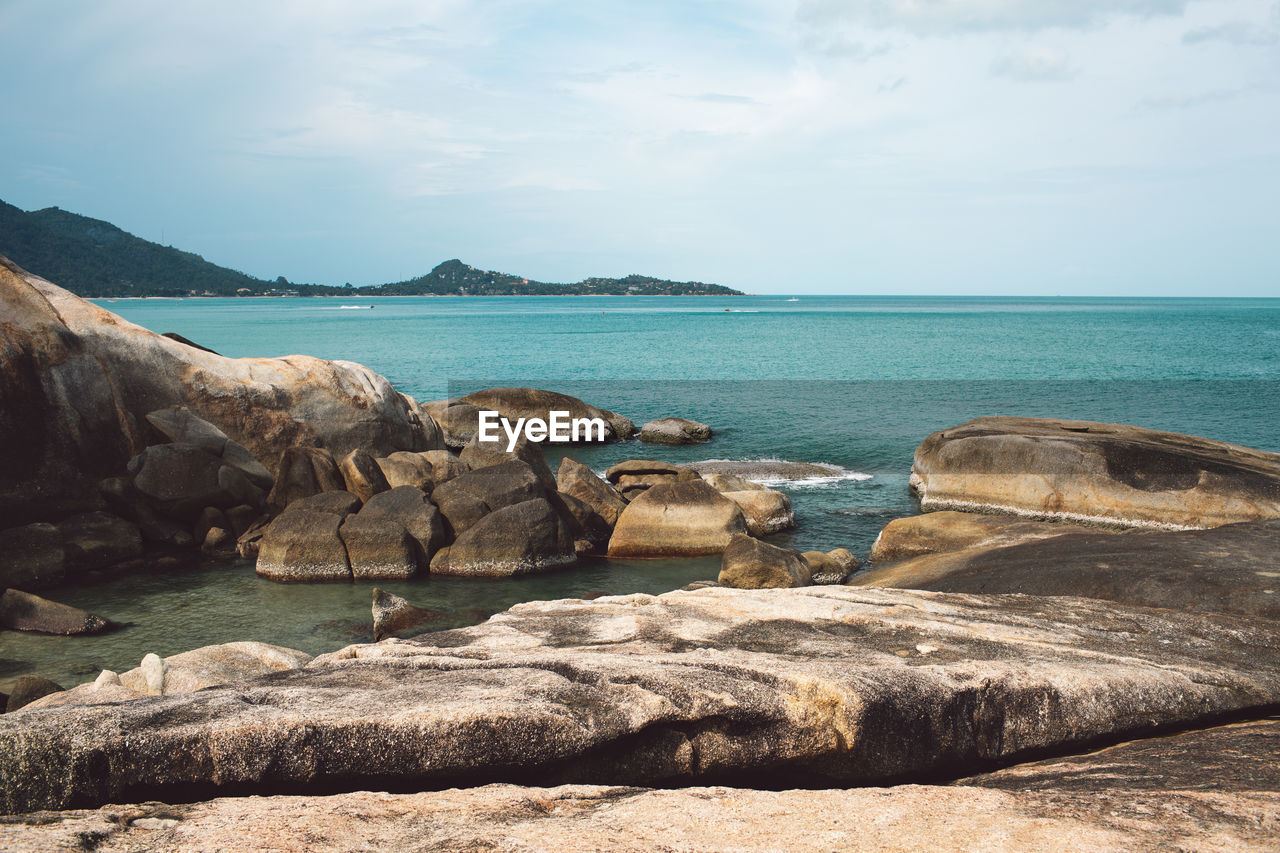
point(782, 472)
point(344, 307)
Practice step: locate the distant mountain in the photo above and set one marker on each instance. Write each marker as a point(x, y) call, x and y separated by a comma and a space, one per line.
point(93, 258)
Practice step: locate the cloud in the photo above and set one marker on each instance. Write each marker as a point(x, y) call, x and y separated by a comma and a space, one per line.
point(1187, 100)
point(720, 98)
point(1232, 32)
point(1035, 66)
point(942, 17)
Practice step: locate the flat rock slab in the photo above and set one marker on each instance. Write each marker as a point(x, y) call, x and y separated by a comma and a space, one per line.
point(948, 530)
point(1095, 472)
point(1230, 569)
point(814, 686)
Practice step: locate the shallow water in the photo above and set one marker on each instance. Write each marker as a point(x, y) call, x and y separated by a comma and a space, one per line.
point(763, 380)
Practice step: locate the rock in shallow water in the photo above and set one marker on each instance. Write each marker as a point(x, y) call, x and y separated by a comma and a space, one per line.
point(22, 611)
point(830, 685)
point(1095, 472)
point(751, 564)
point(679, 519)
point(675, 431)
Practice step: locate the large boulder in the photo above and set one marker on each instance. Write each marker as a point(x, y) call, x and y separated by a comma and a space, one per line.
point(675, 431)
point(1229, 569)
point(1094, 472)
point(483, 454)
point(578, 481)
point(731, 483)
point(413, 510)
point(819, 686)
point(947, 530)
point(32, 556)
point(303, 544)
point(379, 548)
point(749, 563)
point(407, 469)
point(303, 472)
point(520, 539)
point(680, 519)
point(22, 611)
point(181, 480)
point(515, 403)
point(634, 476)
point(180, 425)
point(78, 382)
point(830, 567)
point(465, 500)
point(766, 511)
point(458, 422)
point(96, 540)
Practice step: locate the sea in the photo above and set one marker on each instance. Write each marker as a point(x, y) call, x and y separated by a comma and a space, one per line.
point(852, 382)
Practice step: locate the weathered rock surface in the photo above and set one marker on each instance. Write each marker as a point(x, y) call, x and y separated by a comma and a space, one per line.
point(1229, 569)
point(749, 563)
point(393, 615)
point(181, 480)
point(27, 689)
point(465, 500)
point(22, 611)
point(766, 511)
point(182, 426)
point(768, 470)
point(483, 454)
point(302, 472)
point(1095, 472)
point(379, 548)
point(947, 530)
point(414, 511)
point(686, 518)
point(834, 566)
point(730, 483)
point(303, 543)
point(407, 469)
point(578, 481)
point(674, 431)
point(599, 819)
point(515, 403)
point(640, 467)
point(517, 539)
point(821, 685)
point(32, 556)
point(362, 475)
point(458, 421)
point(78, 382)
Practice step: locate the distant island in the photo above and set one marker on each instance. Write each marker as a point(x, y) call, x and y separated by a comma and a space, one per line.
point(93, 258)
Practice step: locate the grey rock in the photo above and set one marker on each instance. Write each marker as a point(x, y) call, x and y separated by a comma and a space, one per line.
point(414, 511)
point(520, 539)
point(577, 480)
point(749, 563)
point(179, 424)
point(516, 403)
point(478, 454)
point(22, 611)
point(674, 431)
point(303, 545)
point(32, 556)
point(301, 473)
point(687, 518)
point(379, 548)
point(407, 469)
point(27, 689)
point(394, 615)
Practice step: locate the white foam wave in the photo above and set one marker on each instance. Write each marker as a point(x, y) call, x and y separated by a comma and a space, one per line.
point(773, 472)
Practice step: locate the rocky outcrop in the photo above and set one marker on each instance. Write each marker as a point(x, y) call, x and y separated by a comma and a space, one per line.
point(411, 509)
point(1229, 569)
point(517, 539)
point(484, 454)
point(362, 475)
point(832, 567)
point(464, 501)
point(678, 519)
point(458, 421)
point(674, 431)
point(515, 403)
point(823, 686)
point(304, 543)
point(947, 530)
point(751, 564)
point(379, 548)
point(1094, 472)
point(22, 611)
point(766, 511)
point(182, 426)
point(578, 481)
point(301, 473)
point(730, 483)
point(633, 476)
point(78, 382)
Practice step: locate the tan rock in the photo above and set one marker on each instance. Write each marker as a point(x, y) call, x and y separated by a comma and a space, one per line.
point(1094, 472)
point(749, 563)
point(362, 475)
point(766, 511)
point(946, 530)
point(680, 519)
point(577, 480)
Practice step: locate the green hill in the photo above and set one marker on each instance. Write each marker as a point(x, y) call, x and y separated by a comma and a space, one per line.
point(93, 258)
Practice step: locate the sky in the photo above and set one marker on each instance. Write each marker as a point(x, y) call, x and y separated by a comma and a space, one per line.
point(1040, 147)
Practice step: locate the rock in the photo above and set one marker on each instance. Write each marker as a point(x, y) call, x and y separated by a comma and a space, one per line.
point(249, 543)
point(1094, 472)
point(393, 615)
point(825, 569)
point(640, 467)
point(362, 475)
point(242, 517)
point(766, 511)
point(182, 426)
point(32, 556)
point(218, 543)
point(946, 530)
point(412, 510)
point(516, 403)
point(464, 500)
point(27, 689)
point(22, 611)
point(428, 435)
point(78, 382)
point(304, 545)
point(336, 503)
point(821, 686)
point(106, 678)
point(210, 666)
point(623, 428)
point(379, 548)
point(749, 563)
point(1229, 569)
point(589, 531)
point(578, 481)
point(674, 431)
point(478, 454)
point(520, 539)
point(95, 540)
point(301, 473)
point(444, 465)
point(730, 483)
point(181, 480)
point(682, 519)
point(605, 819)
point(458, 421)
point(407, 469)
point(845, 560)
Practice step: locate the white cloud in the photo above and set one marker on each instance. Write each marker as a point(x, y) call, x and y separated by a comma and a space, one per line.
point(1044, 65)
point(940, 17)
point(1239, 33)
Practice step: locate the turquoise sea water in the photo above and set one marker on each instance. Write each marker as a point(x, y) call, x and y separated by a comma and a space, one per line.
point(856, 382)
